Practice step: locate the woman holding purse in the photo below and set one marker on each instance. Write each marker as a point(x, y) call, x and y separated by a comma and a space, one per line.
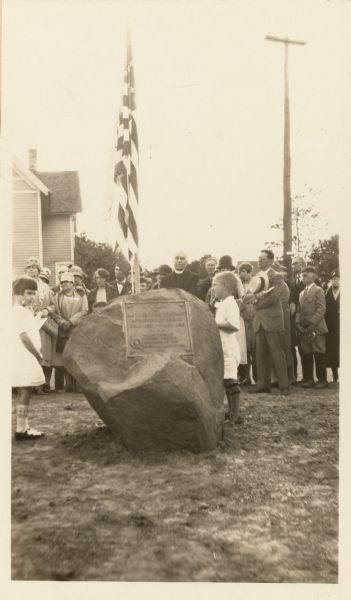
point(70, 307)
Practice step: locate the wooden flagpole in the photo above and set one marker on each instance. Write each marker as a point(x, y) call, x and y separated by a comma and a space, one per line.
point(135, 265)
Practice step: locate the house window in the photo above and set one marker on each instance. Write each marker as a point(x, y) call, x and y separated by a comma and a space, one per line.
point(58, 265)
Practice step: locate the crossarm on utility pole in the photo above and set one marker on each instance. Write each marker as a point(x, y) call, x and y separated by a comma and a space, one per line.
point(287, 215)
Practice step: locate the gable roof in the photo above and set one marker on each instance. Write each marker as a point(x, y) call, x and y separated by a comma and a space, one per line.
point(29, 176)
point(64, 190)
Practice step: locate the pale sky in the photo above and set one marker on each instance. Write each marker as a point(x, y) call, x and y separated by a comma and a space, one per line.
point(209, 92)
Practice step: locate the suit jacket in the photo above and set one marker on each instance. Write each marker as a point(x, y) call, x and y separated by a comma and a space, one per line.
point(332, 314)
point(311, 310)
point(111, 293)
point(127, 288)
point(295, 288)
point(268, 311)
point(187, 281)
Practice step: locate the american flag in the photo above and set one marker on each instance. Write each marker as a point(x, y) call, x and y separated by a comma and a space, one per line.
point(121, 207)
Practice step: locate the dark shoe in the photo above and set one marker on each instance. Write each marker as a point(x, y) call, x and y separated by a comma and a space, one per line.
point(39, 391)
point(320, 385)
point(308, 384)
point(30, 434)
point(284, 391)
point(256, 390)
point(245, 381)
point(47, 389)
point(239, 421)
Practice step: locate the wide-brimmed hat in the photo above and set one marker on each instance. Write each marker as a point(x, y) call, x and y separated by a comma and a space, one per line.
point(45, 273)
point(32, 262)
point(226, 262)
point(77, 271)
point(67, 276)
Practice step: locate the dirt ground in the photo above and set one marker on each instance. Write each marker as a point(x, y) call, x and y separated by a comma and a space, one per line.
point(263, 507)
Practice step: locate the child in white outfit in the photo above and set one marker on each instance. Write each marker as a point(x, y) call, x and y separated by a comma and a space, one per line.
point(26, 359)
point(228, 321)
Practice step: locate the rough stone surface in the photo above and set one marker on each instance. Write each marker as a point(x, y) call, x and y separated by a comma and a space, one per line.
point(159, 400)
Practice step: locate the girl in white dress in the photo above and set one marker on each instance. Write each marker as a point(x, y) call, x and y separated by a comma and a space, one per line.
point(27, 372)
point(228, 321)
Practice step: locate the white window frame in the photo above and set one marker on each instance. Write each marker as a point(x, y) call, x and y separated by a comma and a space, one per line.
point(58, 265)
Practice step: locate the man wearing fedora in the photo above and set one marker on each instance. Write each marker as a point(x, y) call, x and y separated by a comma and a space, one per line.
point(181, 277)
point(268, 327)
point(312, 329)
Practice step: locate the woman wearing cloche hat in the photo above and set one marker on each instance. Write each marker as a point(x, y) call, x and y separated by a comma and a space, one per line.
point(70, 307)
point(79, 275)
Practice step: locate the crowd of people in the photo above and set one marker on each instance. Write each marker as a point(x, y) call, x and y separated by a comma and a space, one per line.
point(266, 319)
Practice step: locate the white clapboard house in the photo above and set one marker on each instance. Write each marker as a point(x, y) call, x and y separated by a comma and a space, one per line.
point(44, 209)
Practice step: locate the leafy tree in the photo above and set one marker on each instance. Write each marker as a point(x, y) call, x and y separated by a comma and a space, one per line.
point(325, 257)
point(303, 221)
point(91, 255)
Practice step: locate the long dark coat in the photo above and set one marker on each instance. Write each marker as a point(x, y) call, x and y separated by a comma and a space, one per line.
point(187, 281)
point(111, 293)
point(332, 318)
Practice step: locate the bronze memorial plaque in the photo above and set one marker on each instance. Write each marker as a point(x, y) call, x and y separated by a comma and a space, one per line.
point(156, 327)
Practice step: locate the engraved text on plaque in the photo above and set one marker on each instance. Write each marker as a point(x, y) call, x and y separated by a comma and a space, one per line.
point(156, 327)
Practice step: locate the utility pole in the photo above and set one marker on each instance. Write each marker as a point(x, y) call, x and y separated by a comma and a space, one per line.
point(287, 217)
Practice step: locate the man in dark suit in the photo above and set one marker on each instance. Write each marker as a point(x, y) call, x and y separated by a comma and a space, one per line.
point(268, 327)
point(332, 319)
point(311, 330)
point(206, 283)
point(181, 277)
point(121, 284)
point(296, 286)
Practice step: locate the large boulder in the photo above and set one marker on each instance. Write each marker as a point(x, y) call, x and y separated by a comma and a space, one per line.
point(151, 366)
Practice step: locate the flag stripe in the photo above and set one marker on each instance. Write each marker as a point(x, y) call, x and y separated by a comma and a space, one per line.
point(126, 158)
